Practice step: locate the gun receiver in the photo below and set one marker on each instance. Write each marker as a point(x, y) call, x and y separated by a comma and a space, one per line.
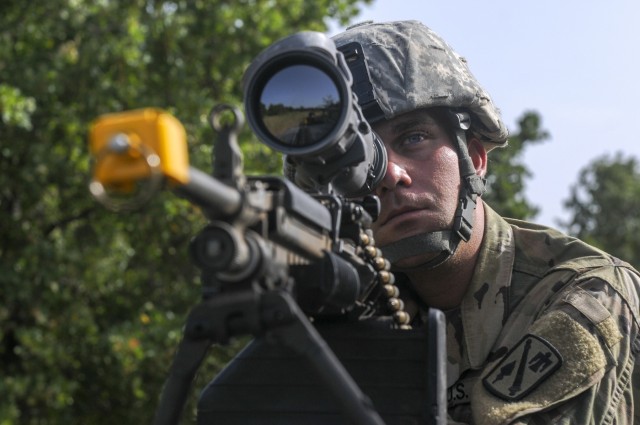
point(268, 242)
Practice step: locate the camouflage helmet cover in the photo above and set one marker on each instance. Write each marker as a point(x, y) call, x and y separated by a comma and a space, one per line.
point(411, 67)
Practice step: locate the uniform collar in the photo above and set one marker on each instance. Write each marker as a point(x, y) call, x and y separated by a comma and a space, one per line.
point(484, 308)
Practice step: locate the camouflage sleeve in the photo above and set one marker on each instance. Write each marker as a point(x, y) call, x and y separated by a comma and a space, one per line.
point(576, 362)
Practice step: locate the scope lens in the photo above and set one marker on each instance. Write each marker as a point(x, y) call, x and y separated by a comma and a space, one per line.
point(300, 105)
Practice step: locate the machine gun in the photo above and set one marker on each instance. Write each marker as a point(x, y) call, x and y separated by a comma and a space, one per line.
point(292, 267)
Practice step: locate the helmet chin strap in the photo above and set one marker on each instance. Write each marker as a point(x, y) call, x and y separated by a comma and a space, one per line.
point(444, 243)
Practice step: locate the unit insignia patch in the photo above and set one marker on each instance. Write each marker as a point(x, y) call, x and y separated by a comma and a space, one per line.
point(525, 367)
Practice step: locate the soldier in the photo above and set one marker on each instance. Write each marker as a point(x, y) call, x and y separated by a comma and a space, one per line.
point(541, 327)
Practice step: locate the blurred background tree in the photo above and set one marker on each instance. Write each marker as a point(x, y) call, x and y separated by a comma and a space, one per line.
point(604, 206)
point(507, 173)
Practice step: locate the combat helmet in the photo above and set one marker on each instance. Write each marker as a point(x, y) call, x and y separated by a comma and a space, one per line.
point(411, 67)
point(398, 67)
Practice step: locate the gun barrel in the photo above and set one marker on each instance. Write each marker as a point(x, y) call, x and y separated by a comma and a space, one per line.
point(213, 195)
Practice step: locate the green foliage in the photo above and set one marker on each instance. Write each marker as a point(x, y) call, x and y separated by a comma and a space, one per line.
point(93, 302)
point(507, 173)
point(16, 109)
point(604, 205)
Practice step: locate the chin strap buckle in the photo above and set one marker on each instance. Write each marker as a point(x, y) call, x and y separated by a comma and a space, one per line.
point(463, 220)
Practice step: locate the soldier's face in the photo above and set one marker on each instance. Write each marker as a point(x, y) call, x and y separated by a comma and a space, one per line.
point(419, 192)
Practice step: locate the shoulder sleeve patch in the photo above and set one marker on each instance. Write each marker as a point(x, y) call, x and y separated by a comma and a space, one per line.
point(560, 359)
point(524, 367)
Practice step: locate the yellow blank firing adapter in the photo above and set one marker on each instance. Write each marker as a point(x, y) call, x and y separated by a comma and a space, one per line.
point(134, 152)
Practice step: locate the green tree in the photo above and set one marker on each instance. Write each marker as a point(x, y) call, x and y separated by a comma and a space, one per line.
point(604, 206)
point(507, 173)
point(93, 302)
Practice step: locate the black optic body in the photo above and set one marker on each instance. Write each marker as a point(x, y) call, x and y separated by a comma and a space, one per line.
point(299, 101)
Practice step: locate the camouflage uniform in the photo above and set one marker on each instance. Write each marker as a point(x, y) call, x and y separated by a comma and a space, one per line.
point(547, 332)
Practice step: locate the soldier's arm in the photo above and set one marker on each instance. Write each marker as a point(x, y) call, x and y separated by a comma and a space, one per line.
point(589, 336)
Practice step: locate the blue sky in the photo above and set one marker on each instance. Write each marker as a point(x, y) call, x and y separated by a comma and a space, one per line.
point(577, 63)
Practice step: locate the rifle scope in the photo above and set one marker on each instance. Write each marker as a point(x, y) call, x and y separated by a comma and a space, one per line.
point(299, 101)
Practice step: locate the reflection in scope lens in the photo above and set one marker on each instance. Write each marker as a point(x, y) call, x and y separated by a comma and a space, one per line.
point(300, 105)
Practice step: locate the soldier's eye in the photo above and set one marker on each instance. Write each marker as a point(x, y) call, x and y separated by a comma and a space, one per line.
point(414, 138)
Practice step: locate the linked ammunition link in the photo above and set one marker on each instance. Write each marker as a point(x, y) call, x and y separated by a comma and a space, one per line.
point(394, 305)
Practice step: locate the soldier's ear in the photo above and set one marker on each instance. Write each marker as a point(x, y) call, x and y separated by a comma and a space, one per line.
point(478, 155)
